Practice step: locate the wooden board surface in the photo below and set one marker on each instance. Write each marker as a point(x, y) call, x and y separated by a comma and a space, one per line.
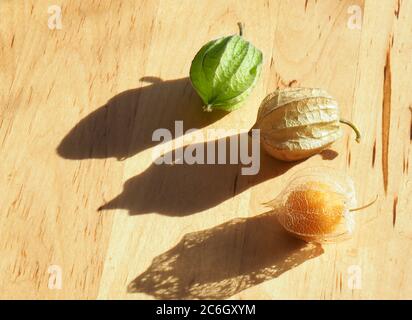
point(78, 107)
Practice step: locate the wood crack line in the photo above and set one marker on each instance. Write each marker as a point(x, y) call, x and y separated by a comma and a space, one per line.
point(386, 115)
point(394, 210)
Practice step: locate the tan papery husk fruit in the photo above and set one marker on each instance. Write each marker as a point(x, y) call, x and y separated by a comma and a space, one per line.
point(296, 123)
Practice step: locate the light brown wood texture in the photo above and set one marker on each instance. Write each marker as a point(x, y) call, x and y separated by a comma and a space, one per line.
point(78, 108)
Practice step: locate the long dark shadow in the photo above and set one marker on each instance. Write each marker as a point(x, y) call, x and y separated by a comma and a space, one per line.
point(124, 125)
point(222, 261)
point(183, 189)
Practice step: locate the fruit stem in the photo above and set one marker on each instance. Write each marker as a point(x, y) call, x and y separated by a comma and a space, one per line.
point(365, 206)
point(240, 25)
point(355, 128)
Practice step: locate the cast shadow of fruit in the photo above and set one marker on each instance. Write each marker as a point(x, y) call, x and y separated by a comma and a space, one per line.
point(222, 261)
point(183, 189)
point(124, 125)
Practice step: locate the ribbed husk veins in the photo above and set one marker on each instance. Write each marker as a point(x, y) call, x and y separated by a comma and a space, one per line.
point(225, 71)
point(316, 205)
point(296, 123)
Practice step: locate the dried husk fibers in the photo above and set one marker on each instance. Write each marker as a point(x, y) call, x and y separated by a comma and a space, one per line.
point(297, 123)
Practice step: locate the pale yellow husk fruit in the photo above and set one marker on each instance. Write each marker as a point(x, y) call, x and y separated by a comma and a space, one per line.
point(317, 205)
point(297, 123)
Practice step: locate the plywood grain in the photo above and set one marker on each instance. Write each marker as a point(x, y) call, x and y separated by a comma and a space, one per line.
point(81, 197)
